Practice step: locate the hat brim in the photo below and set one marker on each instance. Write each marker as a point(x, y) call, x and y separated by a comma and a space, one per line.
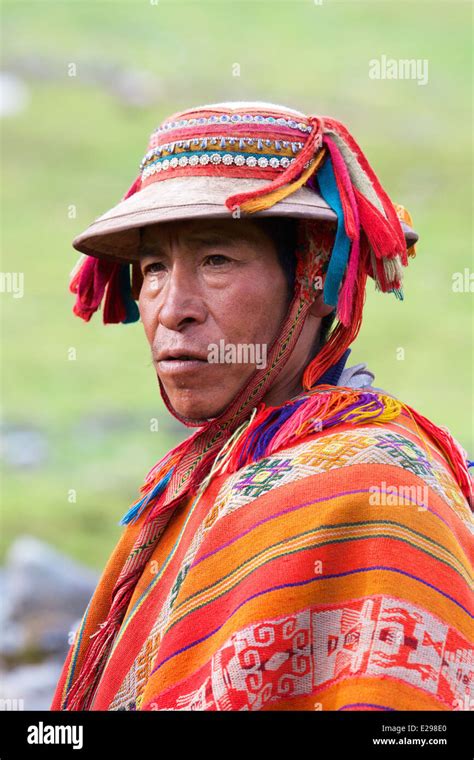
point(116, 234)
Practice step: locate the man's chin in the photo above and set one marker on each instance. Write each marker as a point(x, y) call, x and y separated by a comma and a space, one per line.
point(197, 409)
point(201, 402)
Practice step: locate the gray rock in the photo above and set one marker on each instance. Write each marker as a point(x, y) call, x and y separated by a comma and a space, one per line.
point(44, 597)
point(39, 579)
point(23, 447)
point(13, 641)
point(30, 687)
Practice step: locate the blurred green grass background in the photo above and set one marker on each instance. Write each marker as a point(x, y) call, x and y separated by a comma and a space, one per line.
point(77, 144)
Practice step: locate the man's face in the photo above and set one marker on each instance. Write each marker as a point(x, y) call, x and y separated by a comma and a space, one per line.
point(209, 286)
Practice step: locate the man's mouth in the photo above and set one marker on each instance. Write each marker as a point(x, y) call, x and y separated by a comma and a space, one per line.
point(175, 362)
point(183, 357)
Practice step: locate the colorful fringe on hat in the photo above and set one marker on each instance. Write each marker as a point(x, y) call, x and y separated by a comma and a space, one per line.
point(92, 277)
point(369, 241)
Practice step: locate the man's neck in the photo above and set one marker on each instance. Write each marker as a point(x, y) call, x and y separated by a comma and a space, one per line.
point(278, 395)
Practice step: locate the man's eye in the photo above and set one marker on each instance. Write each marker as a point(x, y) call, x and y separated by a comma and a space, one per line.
point(217, 259)
point(153, 268)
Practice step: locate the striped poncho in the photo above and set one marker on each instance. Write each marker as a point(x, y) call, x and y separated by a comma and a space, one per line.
point(332, 574)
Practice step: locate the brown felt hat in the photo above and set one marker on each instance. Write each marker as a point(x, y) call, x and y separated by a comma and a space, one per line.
point(116, 233)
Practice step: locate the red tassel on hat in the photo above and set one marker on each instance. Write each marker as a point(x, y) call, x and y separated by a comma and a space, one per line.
point(394, 226)
point(91, 279)
point(380, 233)
point(344, 187)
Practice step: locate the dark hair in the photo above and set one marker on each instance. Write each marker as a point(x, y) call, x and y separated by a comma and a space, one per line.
point(283, 231)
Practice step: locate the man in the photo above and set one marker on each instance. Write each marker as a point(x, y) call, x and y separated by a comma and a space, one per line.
point(307, 547)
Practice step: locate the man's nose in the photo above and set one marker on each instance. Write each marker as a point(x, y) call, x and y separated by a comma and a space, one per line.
point(181, 299)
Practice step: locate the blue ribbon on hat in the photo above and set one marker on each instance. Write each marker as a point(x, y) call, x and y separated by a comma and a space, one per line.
point(342, 243)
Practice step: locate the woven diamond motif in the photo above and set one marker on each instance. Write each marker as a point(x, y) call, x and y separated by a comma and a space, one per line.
point(262, 476)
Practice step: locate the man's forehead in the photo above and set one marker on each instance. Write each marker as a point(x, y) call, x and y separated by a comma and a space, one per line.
point(230, 230)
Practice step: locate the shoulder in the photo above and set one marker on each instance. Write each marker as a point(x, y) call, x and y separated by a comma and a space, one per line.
point(385, 459)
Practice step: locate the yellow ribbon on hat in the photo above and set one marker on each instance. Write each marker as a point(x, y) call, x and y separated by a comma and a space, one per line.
point(405, 216)
point(269, 200)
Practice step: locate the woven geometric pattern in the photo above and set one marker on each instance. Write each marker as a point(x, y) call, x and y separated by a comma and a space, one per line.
point(293, 589)
point(296, 655)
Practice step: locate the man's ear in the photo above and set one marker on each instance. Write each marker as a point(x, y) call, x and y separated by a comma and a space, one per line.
point(319, 308)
